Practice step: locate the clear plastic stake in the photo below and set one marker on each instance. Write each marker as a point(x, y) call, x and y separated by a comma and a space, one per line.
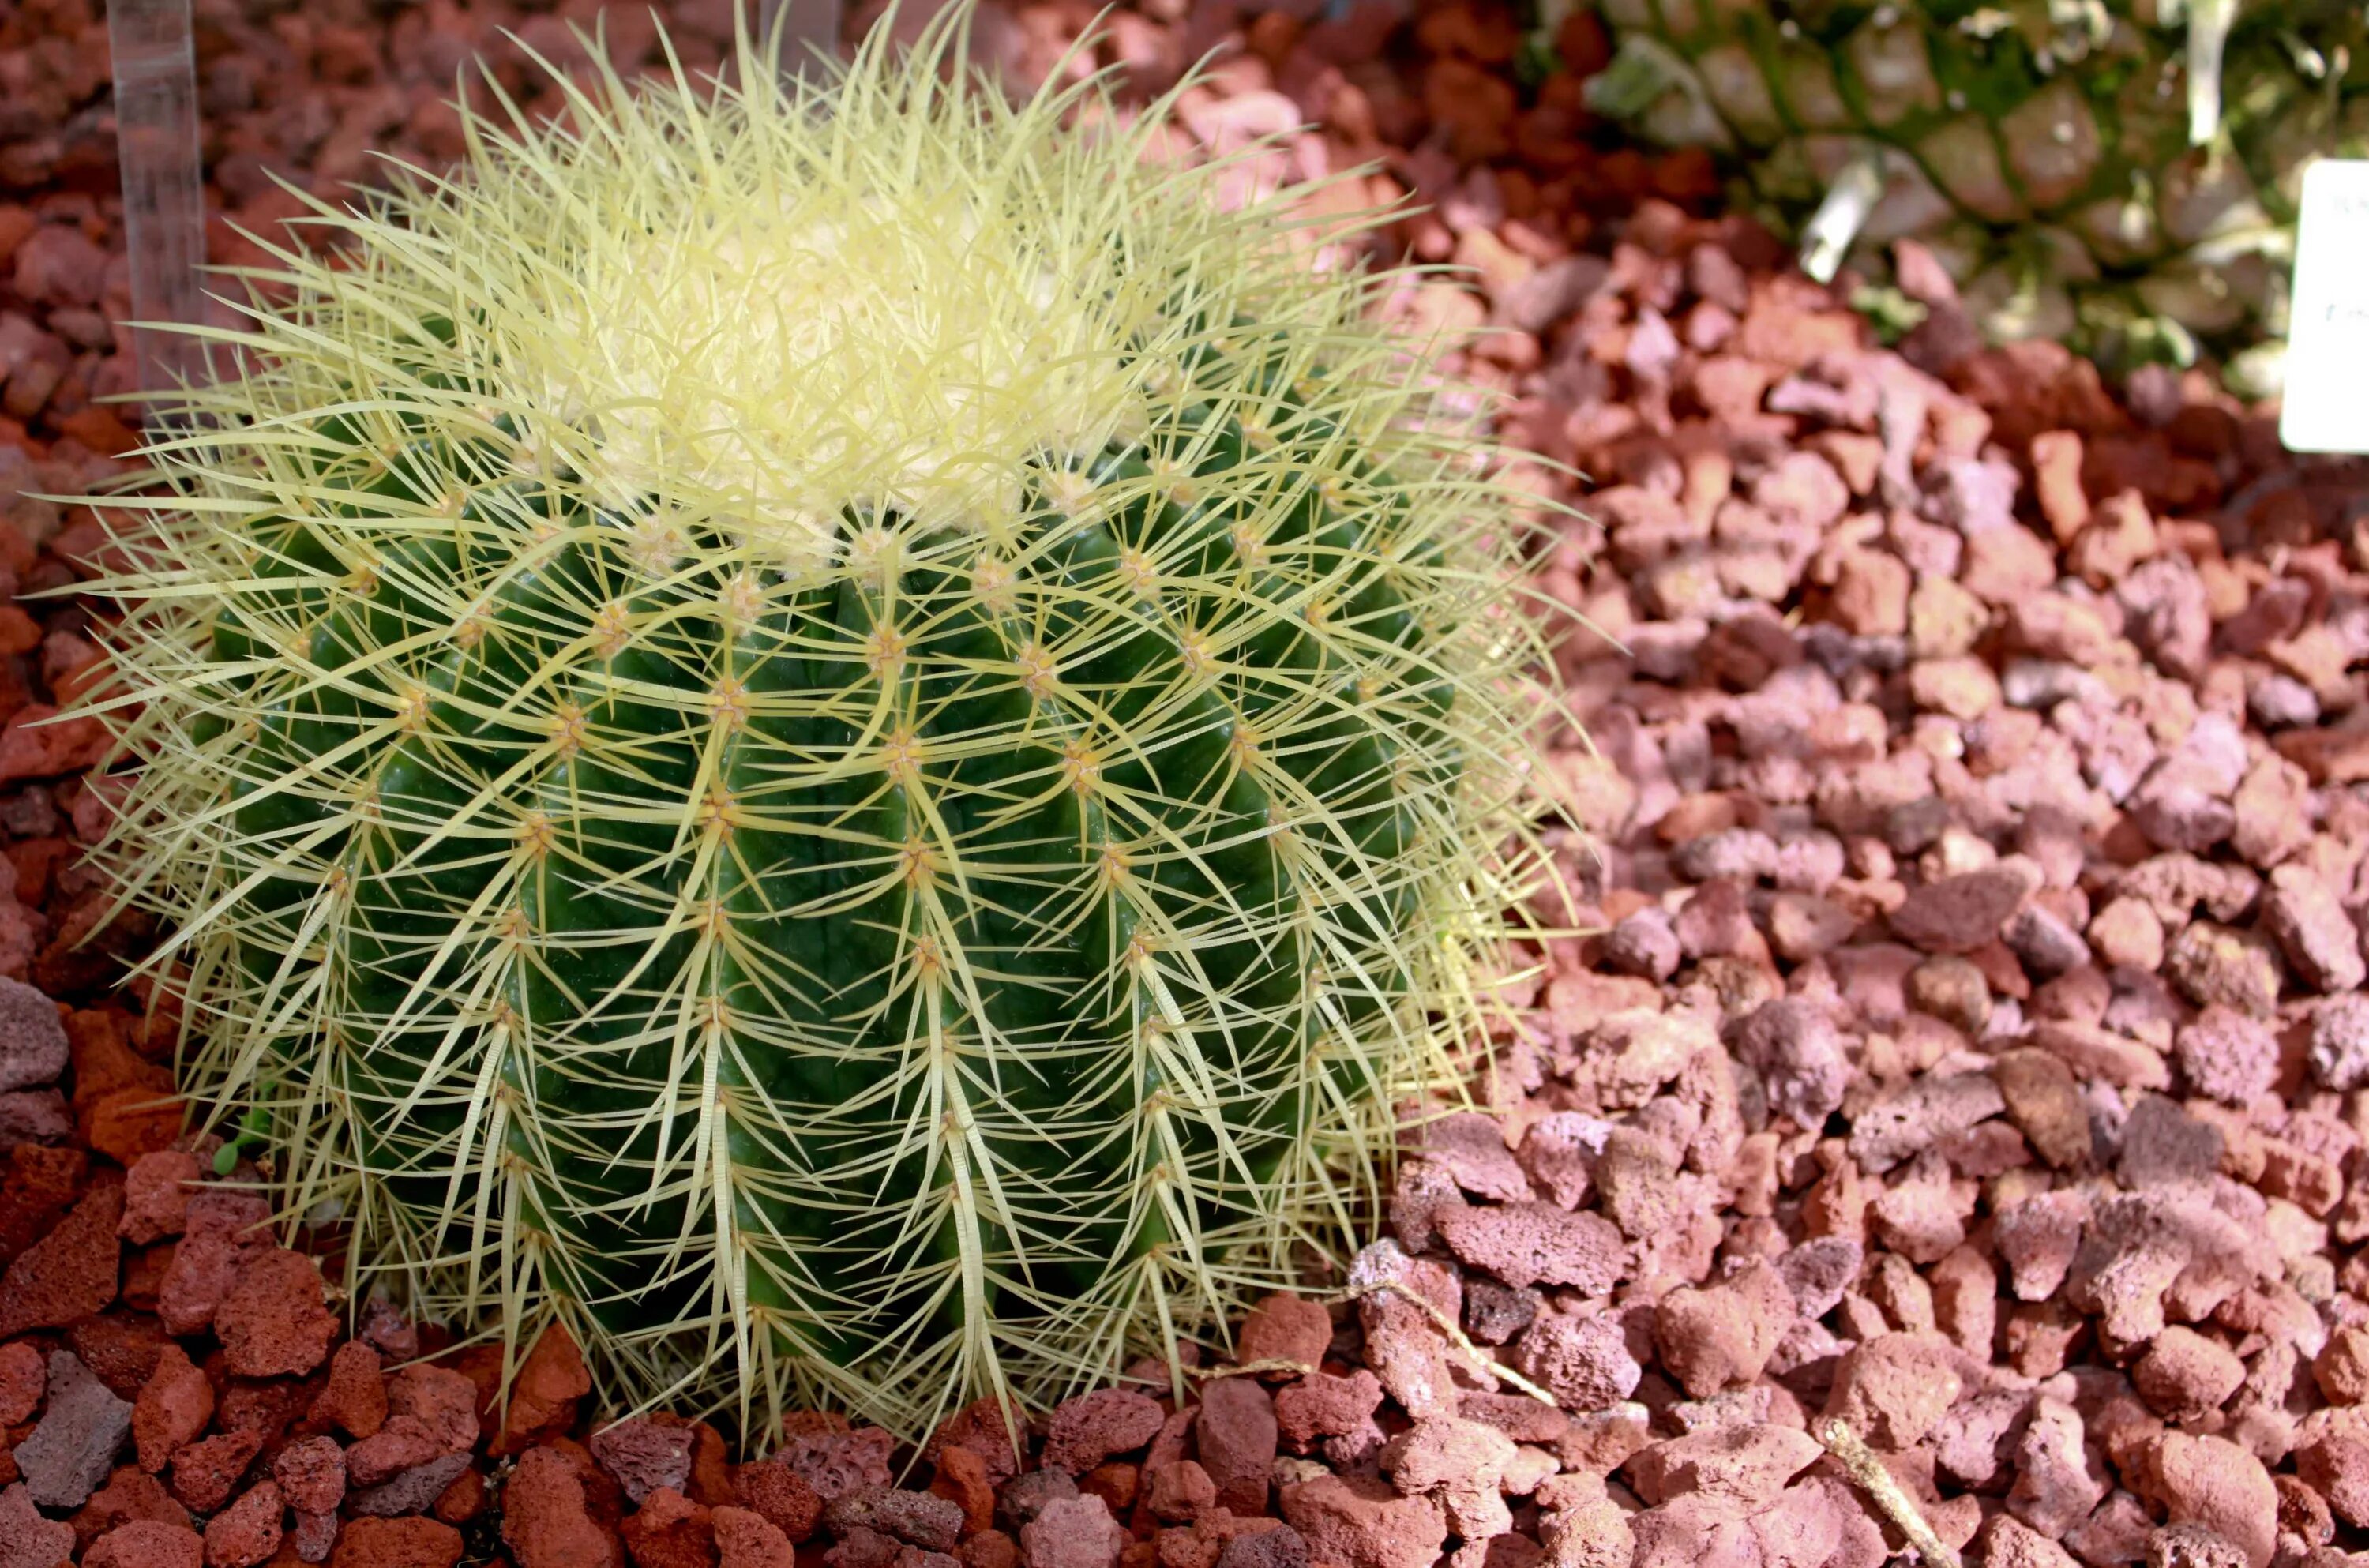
point(808, 27)
point(164, 201)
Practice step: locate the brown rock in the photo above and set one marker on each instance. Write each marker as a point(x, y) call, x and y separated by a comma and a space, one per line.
point(1959, 914)
point(2044, 1104)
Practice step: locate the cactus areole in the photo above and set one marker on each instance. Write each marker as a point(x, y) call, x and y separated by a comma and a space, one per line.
point(854, 750)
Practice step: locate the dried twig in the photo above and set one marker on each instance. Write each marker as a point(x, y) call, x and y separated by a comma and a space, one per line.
point(1859, 1462)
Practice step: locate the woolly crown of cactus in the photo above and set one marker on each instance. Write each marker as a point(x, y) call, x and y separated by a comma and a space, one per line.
point(843, 735)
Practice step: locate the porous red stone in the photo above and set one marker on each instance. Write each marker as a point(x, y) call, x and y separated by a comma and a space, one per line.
point(544, 1521)
point(1093, 1427)
point(146, 1544)
point(274, 1320)
point(173, 1408)
point(354, 1399)
point(68, 1273)
point(397, 1544)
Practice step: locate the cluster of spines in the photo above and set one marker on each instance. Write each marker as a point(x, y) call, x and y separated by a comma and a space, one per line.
point(452, 770)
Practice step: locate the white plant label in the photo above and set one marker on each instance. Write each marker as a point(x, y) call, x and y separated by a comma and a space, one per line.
point(2326, 403)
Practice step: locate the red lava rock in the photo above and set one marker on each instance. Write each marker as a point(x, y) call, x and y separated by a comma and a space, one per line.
point(39, 1184)
point(22, 1379)
point(130, 1495)
point(1892, 1389)
point(544, 1520)
point(274, 1320)
point(961, 1479)
point(1289, 1329)
point(1462, 1465)
point(1796, 1049)
point(1072, 1532)
point(783, 1497)
point(2009, 1544)
point(68, 1273)
point(1322, 1407)
point(26, 1537)
point(1471, 1148)
point(834, 1464)
point(221, 1230)
point(247, 1532)
point(644, 1456)
point(2185, 1375)
point(2213, 1482)
point(1750, 1463)
point(1528, 1243)
point(1237, 1434)
point(354, 1399)
point(397, 1544)
point(542, 1396)
point(1089, 1429)
point(312, 1475)
point(146, 1544)
point(1584, 1361)
point(405, 1443)
point(986, 1429)
point(1960, 913)
point(1179, 1492)
point(749, 1539)
point(156, 1196)
point(465, 1498)
point(669, 1531)
point(206, 1473)
point(2058, 1481)
point(443, 1401)
point(1364, 1524)
point(1708, 1339)
point(2227, 1055)
point(174, 1407)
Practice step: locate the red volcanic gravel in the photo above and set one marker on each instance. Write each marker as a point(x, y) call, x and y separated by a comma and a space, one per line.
point(1971, 826)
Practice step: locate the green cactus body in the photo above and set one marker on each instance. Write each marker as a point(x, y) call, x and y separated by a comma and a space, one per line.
point(933, 936)
point(2118, 173)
